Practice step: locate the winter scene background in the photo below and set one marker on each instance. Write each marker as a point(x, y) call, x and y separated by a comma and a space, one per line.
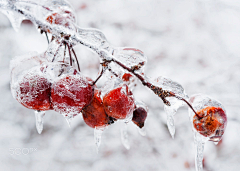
point(195, 43)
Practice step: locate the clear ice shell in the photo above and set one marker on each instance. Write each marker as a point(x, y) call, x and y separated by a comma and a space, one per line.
point(97, 136)
point(39, 120)
point(201, 101)
point(124, 136)
point(131, 57)
point(176, 88)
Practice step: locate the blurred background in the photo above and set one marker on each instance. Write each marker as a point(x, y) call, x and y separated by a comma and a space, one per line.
point(195, 43)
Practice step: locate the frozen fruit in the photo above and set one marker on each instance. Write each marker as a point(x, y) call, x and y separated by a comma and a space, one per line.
point(118, 103)
point(210, 122)
point(33, 90)
point(94, 114)
point(71, 93)
point(139, 116)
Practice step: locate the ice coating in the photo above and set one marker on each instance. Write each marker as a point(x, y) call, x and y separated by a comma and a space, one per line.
point(131, 57)
point(94, 37)
point(201, 103)
point(204, 105)
point(70, 93)
point(32, 89)
point(39, 120)
point(14, 18)
point(20, 64)
point(177, 89)
point(97, 136)
point(118, 103)
point(124, 136)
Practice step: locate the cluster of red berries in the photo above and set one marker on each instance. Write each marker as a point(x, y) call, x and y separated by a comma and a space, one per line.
point(71, 94)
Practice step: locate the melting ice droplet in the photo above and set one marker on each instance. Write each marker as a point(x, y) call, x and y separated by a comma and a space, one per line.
point(39, 120)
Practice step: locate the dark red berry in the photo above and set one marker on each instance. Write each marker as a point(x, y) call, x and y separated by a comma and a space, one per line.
point(139, 116)
point(94, 114)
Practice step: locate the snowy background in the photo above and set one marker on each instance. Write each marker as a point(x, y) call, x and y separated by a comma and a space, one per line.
point(195, 43)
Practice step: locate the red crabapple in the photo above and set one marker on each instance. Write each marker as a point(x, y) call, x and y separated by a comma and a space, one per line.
point(126, 77)
point(94, 114)
point(118, 103)
point(33, 90)
point(139, 116)
point(212, 122)
point(71, 93)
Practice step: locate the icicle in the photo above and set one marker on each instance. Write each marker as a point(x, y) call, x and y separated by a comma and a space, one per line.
point(69, 119)
point(39, 120)
point(124, 136)
point(14, 18)
point(97, 136)
point(142, 131)
point(199, 142)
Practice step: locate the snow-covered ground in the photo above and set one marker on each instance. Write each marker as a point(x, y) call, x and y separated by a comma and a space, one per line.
point(195, 43)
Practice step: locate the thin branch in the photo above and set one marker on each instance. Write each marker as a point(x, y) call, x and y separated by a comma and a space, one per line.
point(100, 75)
point(70, 55)
point(180, 98)
point(57, 51)
point(76, 59)
point(47, 36)
point(65, 47)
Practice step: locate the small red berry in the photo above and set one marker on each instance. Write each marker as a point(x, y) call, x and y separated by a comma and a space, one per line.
point(118, 103)
point(94, 114)
point(126, 77)
point(210, 122)
point(70, 94)
point(34, 91)
point(139, 116)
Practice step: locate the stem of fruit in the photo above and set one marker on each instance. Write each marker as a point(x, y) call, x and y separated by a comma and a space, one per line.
point(180, 98)
point(100, 75)
point(76, 59)
point(47, 37)
point(57, 52)
point(70, 54)
point(65, 48)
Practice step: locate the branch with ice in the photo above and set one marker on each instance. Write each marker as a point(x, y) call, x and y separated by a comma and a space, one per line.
point(53, 81)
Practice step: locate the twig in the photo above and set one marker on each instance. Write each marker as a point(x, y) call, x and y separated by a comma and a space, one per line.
point(70, 55)
point(57, 51)
point(46, 36)
point(76, 59)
